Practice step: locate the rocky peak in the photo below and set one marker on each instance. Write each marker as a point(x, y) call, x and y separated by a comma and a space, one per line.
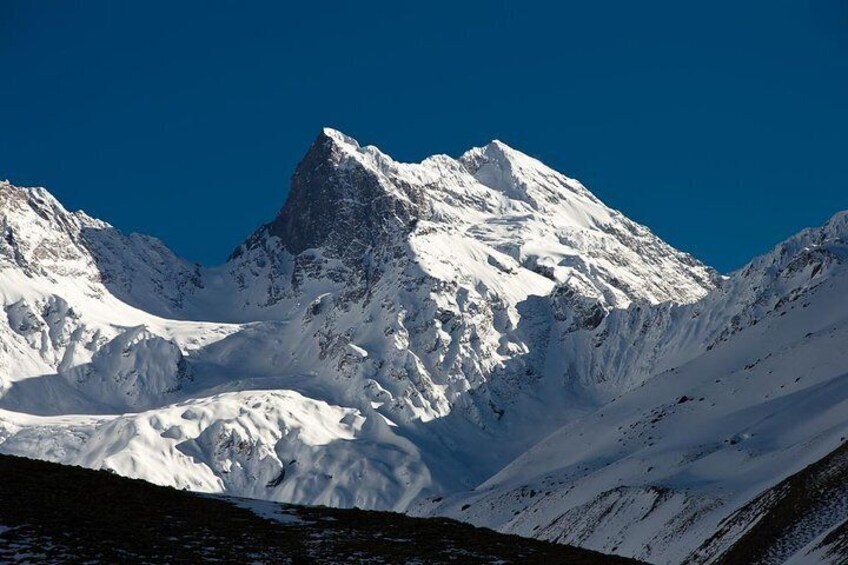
point(42, 239)
point(818, 247)
point(343, 200)
point(39, 236)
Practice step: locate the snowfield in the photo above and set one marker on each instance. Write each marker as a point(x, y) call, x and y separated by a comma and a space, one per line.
point(479, 338)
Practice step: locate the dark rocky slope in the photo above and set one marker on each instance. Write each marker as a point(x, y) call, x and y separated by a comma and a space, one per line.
point(61, 514)
point(789, 520)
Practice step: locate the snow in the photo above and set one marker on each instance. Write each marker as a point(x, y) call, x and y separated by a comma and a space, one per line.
point(268, 510)
point(358, 351)
point(816, 551)
point(652, 472)
point(235, 442)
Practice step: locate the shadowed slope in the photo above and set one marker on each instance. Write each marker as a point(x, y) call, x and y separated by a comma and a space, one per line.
point(50, 512)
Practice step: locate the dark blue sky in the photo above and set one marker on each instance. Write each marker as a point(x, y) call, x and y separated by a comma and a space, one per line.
point(721, 125)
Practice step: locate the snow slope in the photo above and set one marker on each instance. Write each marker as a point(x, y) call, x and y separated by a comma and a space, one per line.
point(750, 388)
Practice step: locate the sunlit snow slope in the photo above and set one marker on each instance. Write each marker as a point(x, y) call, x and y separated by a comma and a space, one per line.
point(749, 386)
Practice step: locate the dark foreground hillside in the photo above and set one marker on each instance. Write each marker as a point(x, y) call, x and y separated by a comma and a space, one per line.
point(56, 513)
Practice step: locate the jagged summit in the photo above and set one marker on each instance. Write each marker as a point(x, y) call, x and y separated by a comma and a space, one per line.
point(40, 236)
point(337, 137)
point(338, 199)
point(41, 239)
point(496, 166)
point(353, 202)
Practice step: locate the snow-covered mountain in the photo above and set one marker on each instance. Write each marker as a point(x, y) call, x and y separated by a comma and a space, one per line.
point(479, 337)
point(736, 392)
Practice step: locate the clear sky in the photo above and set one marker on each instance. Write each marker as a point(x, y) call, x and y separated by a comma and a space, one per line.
point(721, 125)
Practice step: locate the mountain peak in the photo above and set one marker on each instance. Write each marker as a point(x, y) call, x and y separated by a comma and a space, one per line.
point(838, 223)
point(338, 138)
point(349, 200)
point(496, 145)
point(519, 176)
point(340, 199)
point(494, 151)
point(331, 145)
point(339, 149)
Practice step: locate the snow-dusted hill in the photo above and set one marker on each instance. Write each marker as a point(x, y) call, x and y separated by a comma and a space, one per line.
point(400, 333)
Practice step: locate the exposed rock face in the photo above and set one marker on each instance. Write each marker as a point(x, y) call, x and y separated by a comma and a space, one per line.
point(340, 204)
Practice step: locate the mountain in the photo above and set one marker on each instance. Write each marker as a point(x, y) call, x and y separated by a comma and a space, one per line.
point(744, 418)
point(477, 337)
point(412, 297)
point(100, 517)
